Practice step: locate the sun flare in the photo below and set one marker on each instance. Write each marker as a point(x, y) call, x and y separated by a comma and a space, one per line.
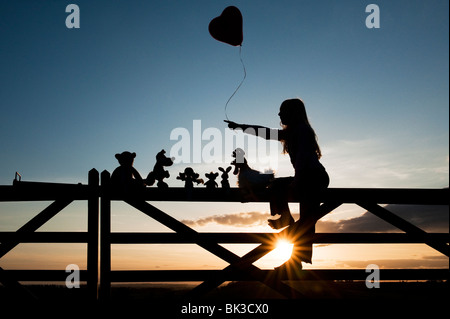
point(283, 250)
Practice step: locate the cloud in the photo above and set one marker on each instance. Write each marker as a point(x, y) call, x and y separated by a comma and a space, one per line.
point(429, 218)
point(425, 262)
point(237, 219)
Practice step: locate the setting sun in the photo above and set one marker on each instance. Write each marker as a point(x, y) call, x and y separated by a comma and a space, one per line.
point(283, 250)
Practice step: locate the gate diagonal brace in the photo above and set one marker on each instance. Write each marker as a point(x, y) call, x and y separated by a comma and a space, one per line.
point(404, 225)
point(257, 253)
point(214, 248)
point(31, 226)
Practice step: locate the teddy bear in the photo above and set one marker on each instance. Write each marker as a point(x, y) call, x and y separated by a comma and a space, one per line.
point(224, 182)
point(126, 176)
point(159, 173)
point(211, 182)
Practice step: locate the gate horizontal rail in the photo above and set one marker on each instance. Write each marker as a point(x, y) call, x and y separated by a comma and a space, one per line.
point(201, 275)
point(254, 238)
point(223, 238)
point(38, 191)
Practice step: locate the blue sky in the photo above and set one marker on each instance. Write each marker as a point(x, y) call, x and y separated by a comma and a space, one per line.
point(136, 70)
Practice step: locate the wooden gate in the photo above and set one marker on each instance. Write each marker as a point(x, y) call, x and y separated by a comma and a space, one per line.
point(99, 237)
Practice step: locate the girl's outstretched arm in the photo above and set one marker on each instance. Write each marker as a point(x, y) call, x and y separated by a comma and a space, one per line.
point(257, 130)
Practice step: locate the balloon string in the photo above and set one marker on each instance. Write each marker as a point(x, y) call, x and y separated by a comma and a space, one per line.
point(239, 86)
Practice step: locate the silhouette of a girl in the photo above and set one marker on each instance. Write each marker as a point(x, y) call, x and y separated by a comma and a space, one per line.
point(300, 142)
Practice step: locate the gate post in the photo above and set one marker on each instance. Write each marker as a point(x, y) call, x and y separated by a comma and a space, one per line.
point(92, 228)
point(105, 240)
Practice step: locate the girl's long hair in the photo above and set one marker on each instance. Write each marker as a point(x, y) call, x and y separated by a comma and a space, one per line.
point(297, 111)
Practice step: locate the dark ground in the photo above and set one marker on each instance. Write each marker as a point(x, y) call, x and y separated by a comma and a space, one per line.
point(323, 296)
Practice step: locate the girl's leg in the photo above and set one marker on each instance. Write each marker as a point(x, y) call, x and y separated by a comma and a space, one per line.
point(301, 234)
point(309, 210)
point(285, 219)
point(303, 231)
point(279, 203)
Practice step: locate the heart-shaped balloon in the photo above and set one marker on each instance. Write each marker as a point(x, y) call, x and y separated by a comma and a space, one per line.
point(228, 27)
